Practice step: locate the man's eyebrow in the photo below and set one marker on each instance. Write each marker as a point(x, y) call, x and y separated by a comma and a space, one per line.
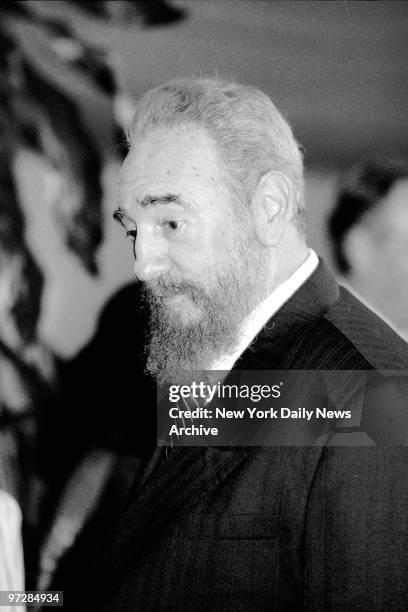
point(167, 198)
point(153, 200)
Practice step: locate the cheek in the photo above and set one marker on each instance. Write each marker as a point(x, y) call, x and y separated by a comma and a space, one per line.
point(207, 248)
point(226, 239)
point(191, 257)
point(223, 256)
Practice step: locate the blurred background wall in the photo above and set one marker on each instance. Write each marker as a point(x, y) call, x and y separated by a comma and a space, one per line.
point(338, 71)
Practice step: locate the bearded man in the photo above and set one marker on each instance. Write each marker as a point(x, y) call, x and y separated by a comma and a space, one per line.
point(211, 197)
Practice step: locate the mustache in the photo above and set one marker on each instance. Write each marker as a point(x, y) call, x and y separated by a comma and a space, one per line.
point(166, 287)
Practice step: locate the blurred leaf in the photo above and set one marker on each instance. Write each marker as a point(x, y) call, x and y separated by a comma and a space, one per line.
point(70, 149)
point(27, 306)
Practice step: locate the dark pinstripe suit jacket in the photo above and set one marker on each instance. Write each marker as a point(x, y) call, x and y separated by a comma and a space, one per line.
point(278, 528)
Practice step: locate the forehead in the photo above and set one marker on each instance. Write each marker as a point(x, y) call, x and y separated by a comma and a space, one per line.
point(170, 158)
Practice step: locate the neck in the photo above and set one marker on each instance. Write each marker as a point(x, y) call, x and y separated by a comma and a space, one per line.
point(285, 260)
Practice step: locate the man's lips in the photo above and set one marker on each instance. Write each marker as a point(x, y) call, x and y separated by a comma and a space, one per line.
point(167, 295)
point(174, 297)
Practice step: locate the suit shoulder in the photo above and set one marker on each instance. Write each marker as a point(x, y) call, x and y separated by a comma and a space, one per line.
point(359, 329)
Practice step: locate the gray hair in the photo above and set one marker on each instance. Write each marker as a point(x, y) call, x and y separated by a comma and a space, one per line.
point(252, 136)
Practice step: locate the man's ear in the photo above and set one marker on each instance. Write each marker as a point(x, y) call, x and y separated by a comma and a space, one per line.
point(271, 207)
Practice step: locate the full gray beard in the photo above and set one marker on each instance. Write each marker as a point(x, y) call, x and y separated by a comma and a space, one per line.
point(178, 353)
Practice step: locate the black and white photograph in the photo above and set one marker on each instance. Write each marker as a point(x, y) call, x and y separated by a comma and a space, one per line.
point(204, 305)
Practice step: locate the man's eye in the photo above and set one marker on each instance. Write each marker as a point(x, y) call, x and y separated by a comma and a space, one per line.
point(131, 234)
point(171, 225)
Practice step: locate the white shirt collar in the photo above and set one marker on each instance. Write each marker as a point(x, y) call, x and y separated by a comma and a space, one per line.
point(257, 319)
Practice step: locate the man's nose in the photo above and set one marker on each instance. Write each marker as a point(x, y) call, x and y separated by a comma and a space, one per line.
point(150, 255)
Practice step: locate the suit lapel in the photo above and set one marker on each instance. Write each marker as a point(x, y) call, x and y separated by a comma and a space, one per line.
point(271, 349)
point(188, 475)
